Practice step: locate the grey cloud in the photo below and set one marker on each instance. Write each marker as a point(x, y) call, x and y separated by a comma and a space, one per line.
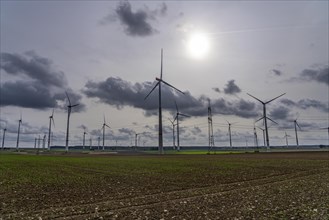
point(37, 85)
point(280, 113)
point(276, 72)
point(216, 89)
point(320, 75)
point(306, 103)
point(136, 23)
point(231, 88)
point(34, 67)
point(118, 92)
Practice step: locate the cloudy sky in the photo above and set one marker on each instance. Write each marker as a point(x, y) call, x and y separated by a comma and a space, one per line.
point(106, 55)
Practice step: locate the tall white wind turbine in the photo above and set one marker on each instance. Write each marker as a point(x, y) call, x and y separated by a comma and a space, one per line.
point(3, 138)
point(265, 116)
point(160, 106)
point(103, 127)
point(296, 125)
point(69, 107)
point(51, 119)
point(18, 132)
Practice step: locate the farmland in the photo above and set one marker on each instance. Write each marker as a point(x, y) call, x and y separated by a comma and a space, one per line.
point(243, 186)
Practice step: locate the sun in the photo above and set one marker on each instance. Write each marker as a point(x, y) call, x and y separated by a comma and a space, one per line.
point(198, 45)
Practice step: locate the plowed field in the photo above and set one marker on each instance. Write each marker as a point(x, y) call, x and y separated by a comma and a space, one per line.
point(234, 186)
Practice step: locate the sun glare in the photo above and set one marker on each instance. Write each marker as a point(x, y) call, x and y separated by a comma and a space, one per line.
point(198, 45)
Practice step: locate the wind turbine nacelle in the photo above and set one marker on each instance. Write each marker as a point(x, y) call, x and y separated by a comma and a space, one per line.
point(157, 79)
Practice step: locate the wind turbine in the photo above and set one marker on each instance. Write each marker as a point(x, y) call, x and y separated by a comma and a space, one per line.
point(286, 137)
point(51, 119)
point(264, 115)
point(210, 128)
point(103, 127)
point(263, 130)
point(173, 132)
point(229, 131)
point(19, 129)
point(84, 138)
point(296, 125)
point(160, 107)
point(70, 106)
point(3, 138)
point(177, 118)
point(136, 138)
point(255, 136)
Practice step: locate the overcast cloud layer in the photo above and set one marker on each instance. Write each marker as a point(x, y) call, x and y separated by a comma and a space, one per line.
point(36, 84)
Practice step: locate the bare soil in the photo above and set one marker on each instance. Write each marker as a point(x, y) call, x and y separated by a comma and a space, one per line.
point(267, 186)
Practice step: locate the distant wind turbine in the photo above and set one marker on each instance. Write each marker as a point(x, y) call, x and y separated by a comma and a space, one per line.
point(296, 125)
point(177, 118)
point(70, 106)
point(265, 116)
point(51, 119)
point(84, 138)
point(18, 132)
point(263, 130)
point(173, 132)
point(286, 137)
point(229, 131)
point(210, 129)
point(103, 127)
point(3, 138)
point(160, 106)
point(255, 136)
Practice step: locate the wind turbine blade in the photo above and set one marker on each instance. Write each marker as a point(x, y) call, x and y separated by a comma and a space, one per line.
point(271, 120)
point(227, 122)
point(107, 126)
point(256, 98)
point(52, 118)
point(176, 106)
point(151, 90)
point(184, 115)
point(104, 119)
point(172, 86)
point(260, 128)
point(52, 114)
point(161, 63)
point(75, 105)
point(275, 98)
point(259, 119)
point(298, 125)
point(68, 98)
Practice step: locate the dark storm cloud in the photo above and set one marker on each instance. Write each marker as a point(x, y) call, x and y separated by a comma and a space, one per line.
point(320, 75)
point(279, 113)
point(306, 104)
point(32, 82)
point(119, 93)
point(136, 23)
point(34, 67)
point(231, 88)
point(276, 72)
point(216, 89)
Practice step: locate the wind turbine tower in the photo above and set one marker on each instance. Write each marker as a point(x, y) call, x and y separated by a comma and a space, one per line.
point(177, 118)
point(173, 132)
point(69, 108)
point(210, 129)
point(51, 119)
point(160, 106)
point(103, 127)
point(286, 137)
point(84, 138)
point(296, 125)
point(3, 138)
point(265, 116)
point(255, 135)
point(229, 131)
point(18, 132)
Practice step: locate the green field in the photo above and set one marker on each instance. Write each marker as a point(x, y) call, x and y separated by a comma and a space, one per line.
point(260, 186)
